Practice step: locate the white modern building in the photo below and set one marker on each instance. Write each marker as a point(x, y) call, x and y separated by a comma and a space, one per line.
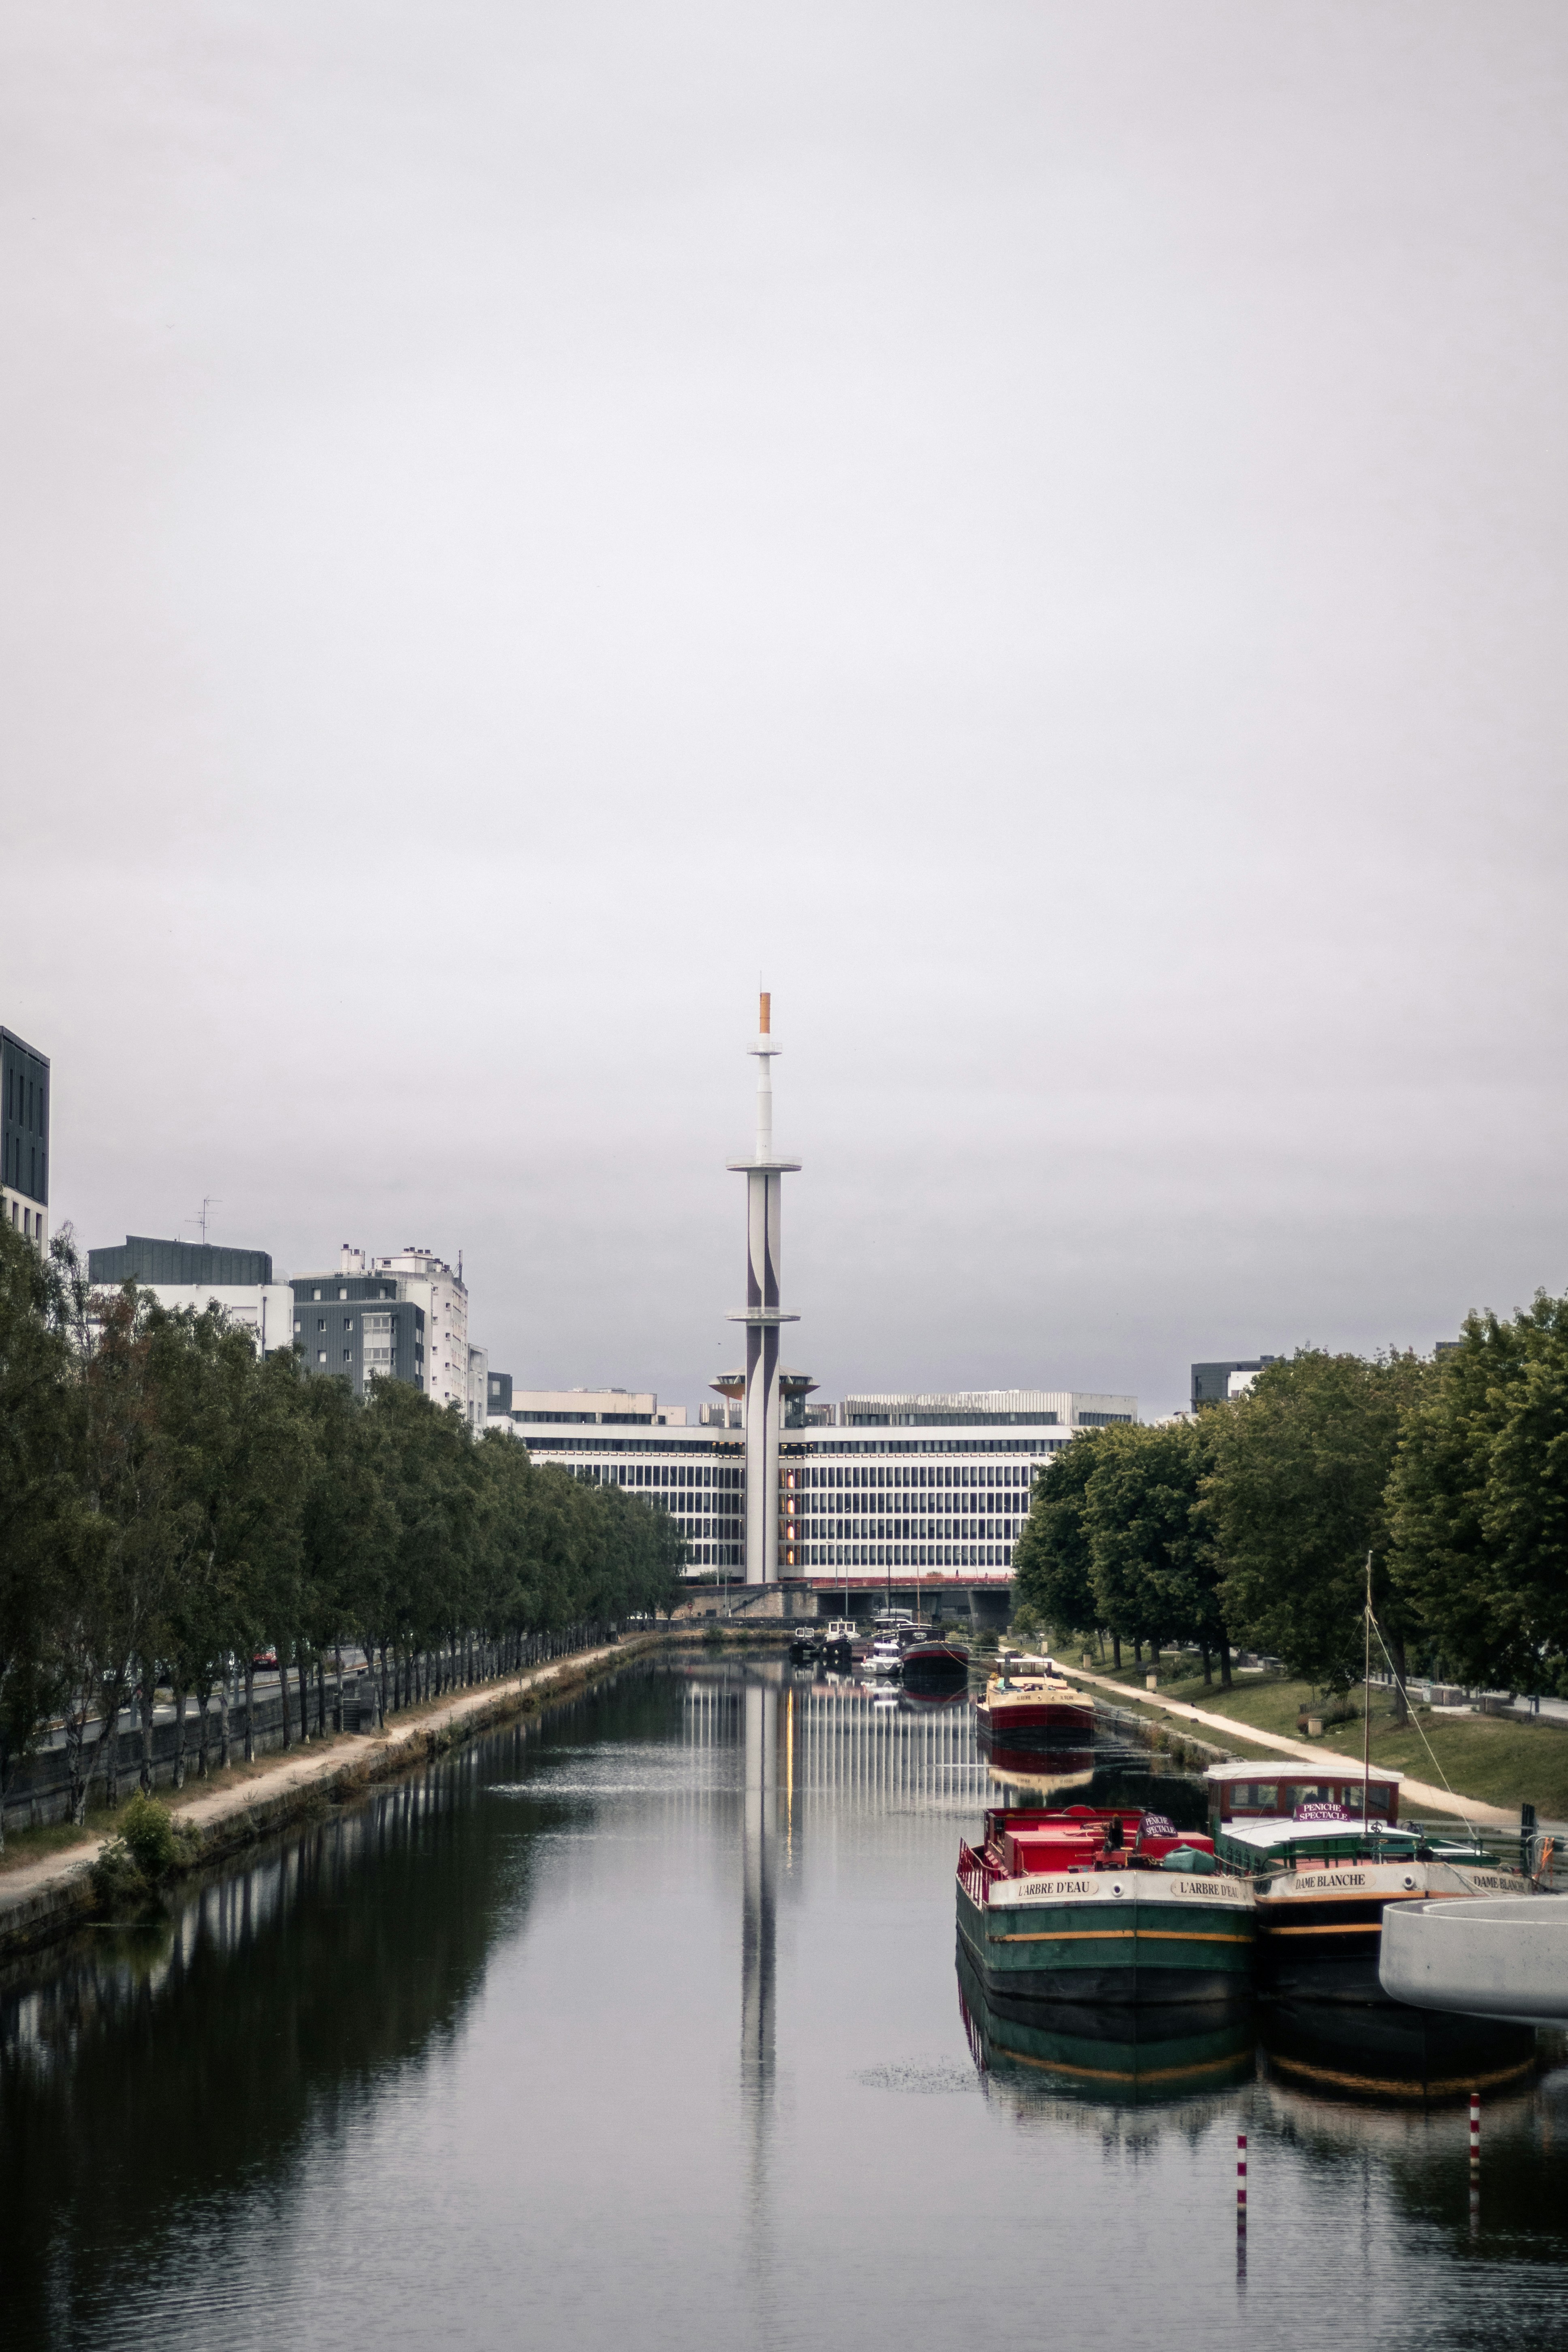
point(201, 1273)
point(530, 1412)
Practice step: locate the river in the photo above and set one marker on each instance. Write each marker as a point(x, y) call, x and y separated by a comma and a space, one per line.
point(637, 2025)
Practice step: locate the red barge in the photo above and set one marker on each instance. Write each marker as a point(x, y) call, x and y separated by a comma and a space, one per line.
point(1028, 1706)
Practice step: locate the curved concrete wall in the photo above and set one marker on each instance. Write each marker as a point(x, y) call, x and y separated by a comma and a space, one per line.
point(1501, 1956)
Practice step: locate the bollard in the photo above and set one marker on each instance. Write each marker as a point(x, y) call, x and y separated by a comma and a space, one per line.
point(1475, 2131)
point(1241, 2180)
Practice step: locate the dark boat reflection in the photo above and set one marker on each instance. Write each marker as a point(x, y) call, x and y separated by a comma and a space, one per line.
point(1384, 2051)
point(1118, 2057)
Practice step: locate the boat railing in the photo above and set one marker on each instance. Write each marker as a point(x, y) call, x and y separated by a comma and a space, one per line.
point(976, 1873)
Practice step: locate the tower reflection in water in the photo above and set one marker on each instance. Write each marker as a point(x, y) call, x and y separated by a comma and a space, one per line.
point(760, 1746)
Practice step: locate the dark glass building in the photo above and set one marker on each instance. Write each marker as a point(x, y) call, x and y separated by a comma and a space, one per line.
point(194, 1263)
point(23, 1136)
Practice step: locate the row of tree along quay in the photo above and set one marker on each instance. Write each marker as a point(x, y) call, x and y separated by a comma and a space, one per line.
point(1252, 1524)
point(175, 1510)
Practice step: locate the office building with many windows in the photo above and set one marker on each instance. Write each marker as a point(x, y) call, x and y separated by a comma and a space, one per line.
point(357, 1327)
point(23, 1136)
point(894, 1495)
point(443, 1365)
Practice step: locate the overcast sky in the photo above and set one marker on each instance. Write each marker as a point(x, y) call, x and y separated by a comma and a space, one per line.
point(1039, 530)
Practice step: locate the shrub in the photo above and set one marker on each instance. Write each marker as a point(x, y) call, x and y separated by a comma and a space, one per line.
point(148, 1830)
point(152, 1847)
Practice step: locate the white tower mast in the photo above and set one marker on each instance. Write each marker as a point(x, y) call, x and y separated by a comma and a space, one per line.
point(763, 1317)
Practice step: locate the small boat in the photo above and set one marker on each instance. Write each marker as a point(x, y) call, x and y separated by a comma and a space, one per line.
point(883, 1657)
point(1027, 1704)
point(935, 1659)
point(1093, 1907)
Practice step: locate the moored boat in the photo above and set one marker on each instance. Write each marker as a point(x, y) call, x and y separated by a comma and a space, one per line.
point(1099, 1907)
point(1029, 1705)
point(1325, 1875)
point(935, 1660)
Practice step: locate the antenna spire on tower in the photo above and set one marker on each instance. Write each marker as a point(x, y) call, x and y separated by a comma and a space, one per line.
point(762, 1314)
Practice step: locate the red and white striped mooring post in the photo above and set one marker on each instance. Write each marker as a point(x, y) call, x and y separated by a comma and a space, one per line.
point(1241, 2180)
point(1475, 2131)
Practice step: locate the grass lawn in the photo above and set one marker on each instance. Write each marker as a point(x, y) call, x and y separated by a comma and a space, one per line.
point(1489, 1757)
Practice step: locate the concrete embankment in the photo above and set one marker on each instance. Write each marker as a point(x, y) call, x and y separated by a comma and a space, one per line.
point(42, 1900)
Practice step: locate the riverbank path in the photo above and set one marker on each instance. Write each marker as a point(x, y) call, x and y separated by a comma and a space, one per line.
point(373, 1756)
point(1415, 1792)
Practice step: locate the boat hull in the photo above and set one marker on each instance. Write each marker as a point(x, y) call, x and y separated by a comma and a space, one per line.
point(1035, 1723)
point(936, 1662)
point(1126, 1938)
point(1319, 1932)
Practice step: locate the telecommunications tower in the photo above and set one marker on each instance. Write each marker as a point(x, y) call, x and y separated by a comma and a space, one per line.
point(763, 1315)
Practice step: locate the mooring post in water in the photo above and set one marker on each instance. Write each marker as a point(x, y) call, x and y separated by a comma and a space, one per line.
point(1241, 2180)
point(1475, 2133)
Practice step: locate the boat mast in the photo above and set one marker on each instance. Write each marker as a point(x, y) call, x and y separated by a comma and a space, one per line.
point(1366, 1710)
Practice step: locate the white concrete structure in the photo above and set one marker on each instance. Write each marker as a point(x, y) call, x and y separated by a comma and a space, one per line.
point(591, 1408)
point(431, 1284)
point(478, 1384)
point(200, 1274)
point(1497, 1956)
point(264, 1309)
point(1067, 1408)
point(762, 1314)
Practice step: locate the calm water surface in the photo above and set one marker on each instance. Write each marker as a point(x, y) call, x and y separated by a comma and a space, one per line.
point(640, 2027)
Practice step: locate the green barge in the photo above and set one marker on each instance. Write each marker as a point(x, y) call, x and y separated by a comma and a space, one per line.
point(1096, 1907)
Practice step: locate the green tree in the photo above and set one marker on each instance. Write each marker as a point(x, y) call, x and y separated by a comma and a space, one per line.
point(1296, 1499)
point(1153, 1562)
point(1052, 1570)
point(1478, 1500)
point(39, 1495)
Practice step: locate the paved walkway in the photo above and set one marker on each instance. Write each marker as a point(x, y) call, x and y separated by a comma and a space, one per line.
point(387, 1751)
point(1413, 1792)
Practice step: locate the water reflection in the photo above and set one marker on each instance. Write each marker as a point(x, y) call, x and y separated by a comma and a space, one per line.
point(1110, 2056)
point(1380, 2052)
point(641, 2028)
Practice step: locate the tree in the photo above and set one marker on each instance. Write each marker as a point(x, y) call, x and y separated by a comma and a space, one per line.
point(39, 1495)
point(1478, 1500)
point(1153, 1562)
point(1297, 1500)
point(1052, 1571)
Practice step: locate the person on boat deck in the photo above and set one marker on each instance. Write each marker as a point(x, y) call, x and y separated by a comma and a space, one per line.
point(1113, 1833)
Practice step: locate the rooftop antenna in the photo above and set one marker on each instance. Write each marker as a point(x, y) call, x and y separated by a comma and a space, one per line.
point(199, 1217)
